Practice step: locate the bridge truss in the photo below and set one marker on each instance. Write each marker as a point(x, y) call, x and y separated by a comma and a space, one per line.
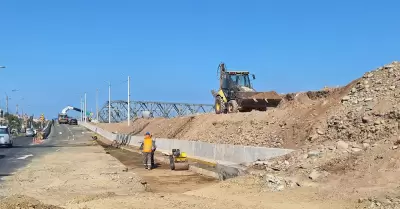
point(119, 110)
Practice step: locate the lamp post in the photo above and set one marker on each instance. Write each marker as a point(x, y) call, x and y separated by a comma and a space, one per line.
point(129, 101)
point(6, 94)
point(84, 112)
point(97, 105)
point(8, 98)
point(81, 110)
point(109, 101)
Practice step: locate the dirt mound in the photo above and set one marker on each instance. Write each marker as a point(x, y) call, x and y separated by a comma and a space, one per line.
point(289, 125)
point(363, 111)
point(24, 202)
point(370, 111)
point(346, 138)
point(356, 151)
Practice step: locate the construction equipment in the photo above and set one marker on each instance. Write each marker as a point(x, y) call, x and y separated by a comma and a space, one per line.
point(236, 93)
point(62, 118)
point(178, 160)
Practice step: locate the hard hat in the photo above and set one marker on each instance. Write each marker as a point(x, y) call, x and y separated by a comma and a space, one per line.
point(147, 133)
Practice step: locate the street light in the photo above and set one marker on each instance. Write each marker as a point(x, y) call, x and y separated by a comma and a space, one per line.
point(21, 107)
point(109, 101)
point(85, 109)
point(97, 106)
point(8, 98)
point(129, 101)
point(81, 110)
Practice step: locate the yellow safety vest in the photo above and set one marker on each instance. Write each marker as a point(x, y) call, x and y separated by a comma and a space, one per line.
point(147, 144)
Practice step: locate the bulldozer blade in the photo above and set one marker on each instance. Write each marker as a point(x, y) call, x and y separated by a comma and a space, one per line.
point(258, 100)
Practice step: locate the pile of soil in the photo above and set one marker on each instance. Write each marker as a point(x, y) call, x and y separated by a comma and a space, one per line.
point(24, 202)
point(298, 117)
point(346, 138)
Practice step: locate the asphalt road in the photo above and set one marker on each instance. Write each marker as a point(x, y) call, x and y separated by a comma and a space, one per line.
point(24, 151)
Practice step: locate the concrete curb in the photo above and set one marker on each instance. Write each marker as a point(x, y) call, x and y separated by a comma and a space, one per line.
point(204, 151)
point(227, 159)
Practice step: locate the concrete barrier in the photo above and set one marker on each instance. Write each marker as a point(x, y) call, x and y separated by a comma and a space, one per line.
point(218, 153)
point(47, 129)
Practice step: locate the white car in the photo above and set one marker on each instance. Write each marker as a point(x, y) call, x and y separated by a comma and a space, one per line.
point(29, 132)
point(5, 137)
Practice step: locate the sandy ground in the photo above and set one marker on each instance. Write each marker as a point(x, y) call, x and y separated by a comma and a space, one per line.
point(76, 172)
point(241, 193)
point(288, 126)
point(346, 139)
point(84, 175)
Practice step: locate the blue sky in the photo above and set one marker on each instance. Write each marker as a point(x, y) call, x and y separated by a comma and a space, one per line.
point(57, 50)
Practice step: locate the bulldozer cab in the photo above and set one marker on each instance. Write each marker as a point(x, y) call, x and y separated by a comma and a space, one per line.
point(235, 79)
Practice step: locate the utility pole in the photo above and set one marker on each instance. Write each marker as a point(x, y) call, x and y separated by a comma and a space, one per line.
point(16, 112)
point(109, 102)
point(85, 109)
point(129, 101)
point(7, 104)
point(97, 105)
point(81, 110)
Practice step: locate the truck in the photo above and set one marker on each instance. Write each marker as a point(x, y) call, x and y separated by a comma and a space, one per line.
point(62, 118)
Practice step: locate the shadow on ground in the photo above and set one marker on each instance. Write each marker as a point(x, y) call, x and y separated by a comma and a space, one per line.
point(47, 146)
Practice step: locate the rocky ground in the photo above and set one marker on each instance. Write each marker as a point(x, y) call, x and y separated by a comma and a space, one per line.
point(346, 139)
point(84, 175)
point(285, 126)
point(356, 149)
point(364, 111)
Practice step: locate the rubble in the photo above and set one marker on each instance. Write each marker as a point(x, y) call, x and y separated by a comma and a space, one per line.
point(277, 183)
point(333, 131)
point(342, 145)
point(313, 154)
point(314, 175)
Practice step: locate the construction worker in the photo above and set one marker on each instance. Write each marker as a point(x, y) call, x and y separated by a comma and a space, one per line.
point(147, 148)
point(152, 152)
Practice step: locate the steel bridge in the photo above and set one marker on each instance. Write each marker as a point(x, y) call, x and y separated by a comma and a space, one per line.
point(119, 110)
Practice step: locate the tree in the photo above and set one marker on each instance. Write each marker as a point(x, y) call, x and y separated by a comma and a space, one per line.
point(13, 121)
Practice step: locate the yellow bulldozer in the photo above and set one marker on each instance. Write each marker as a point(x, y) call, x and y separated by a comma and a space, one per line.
point(236, 93)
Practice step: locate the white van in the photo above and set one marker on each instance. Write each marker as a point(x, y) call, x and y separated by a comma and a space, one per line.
point(5, 137)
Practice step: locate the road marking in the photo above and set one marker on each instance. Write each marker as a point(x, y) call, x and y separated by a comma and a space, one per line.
point(73, 136)
point(25, 156)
